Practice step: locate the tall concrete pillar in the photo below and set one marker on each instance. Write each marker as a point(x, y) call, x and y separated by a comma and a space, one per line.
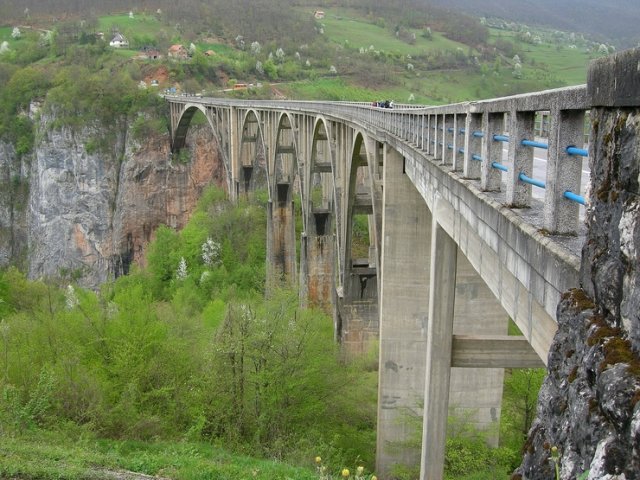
point(317, 260)
point(439, 339)
point(406, 232)
point(281, 242)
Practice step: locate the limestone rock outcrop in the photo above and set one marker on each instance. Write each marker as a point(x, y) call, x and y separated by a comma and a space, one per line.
point(589, 404)
point(88, 213)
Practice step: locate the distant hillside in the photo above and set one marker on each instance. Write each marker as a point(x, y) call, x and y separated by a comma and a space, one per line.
point(614, 19)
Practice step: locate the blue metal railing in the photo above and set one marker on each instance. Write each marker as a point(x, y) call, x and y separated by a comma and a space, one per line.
point(500, 138)
point(534, 144)
point(499, 166)
point(531, 181)
point(478, 158)
point(478, 134)
point(574, 197)
point(581, 152)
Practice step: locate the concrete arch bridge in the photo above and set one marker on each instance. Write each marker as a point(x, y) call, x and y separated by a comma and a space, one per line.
point(457, 241)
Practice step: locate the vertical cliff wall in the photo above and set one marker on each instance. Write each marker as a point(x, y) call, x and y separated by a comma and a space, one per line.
point(14, 199)
point(72, 209)
point(589, 405)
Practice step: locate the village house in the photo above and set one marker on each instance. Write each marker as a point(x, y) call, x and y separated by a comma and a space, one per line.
point(119, 41)
point(178, 51)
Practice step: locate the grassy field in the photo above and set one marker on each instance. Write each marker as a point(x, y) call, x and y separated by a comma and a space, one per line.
point(430, 88)
point(5, 36)
point(567, 65)
point(138, 25)
point(219, 48)
point(141, 30)
point(345, 29)
point(54, 456)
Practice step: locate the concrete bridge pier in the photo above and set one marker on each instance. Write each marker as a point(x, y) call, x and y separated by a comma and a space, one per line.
point(281, 241)
point(317, 262)
point(430, 294)
point(476, 393)
point(404, 307)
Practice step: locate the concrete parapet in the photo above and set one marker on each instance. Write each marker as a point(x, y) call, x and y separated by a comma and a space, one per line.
point(613, 81)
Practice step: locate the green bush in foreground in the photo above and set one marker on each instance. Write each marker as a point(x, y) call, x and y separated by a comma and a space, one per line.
point(188, 349)
point(78, 455)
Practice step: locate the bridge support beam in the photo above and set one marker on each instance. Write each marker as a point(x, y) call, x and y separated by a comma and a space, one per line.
point(407, 250)
point(493, 351)
point(476, 393)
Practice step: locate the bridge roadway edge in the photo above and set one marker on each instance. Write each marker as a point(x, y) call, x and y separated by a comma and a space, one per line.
point(525, 269)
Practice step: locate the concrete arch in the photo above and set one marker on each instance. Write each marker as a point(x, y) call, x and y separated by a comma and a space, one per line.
point(182, 125)
point(319, 262)
point(283, 177)
point(320, 194)
point(360, 266)
point(357, 312)
point(183, 121)
point(284, 163)
point(252, 164)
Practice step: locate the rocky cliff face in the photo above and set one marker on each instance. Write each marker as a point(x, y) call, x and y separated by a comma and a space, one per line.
point(14, 191)
point(589, 405)
point(88, 213)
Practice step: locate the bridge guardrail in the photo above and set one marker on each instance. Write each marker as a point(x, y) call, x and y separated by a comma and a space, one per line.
point(468, 137)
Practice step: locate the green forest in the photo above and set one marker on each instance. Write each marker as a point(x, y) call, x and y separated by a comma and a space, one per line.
point(188, 355)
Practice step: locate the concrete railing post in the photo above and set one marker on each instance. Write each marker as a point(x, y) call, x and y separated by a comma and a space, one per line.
point(563, 171)
point(436, 135)
point(472, 145)
point(491, 178)
point(457, 141)
point(447, 139)
point(428, 146)
point(521, 127)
